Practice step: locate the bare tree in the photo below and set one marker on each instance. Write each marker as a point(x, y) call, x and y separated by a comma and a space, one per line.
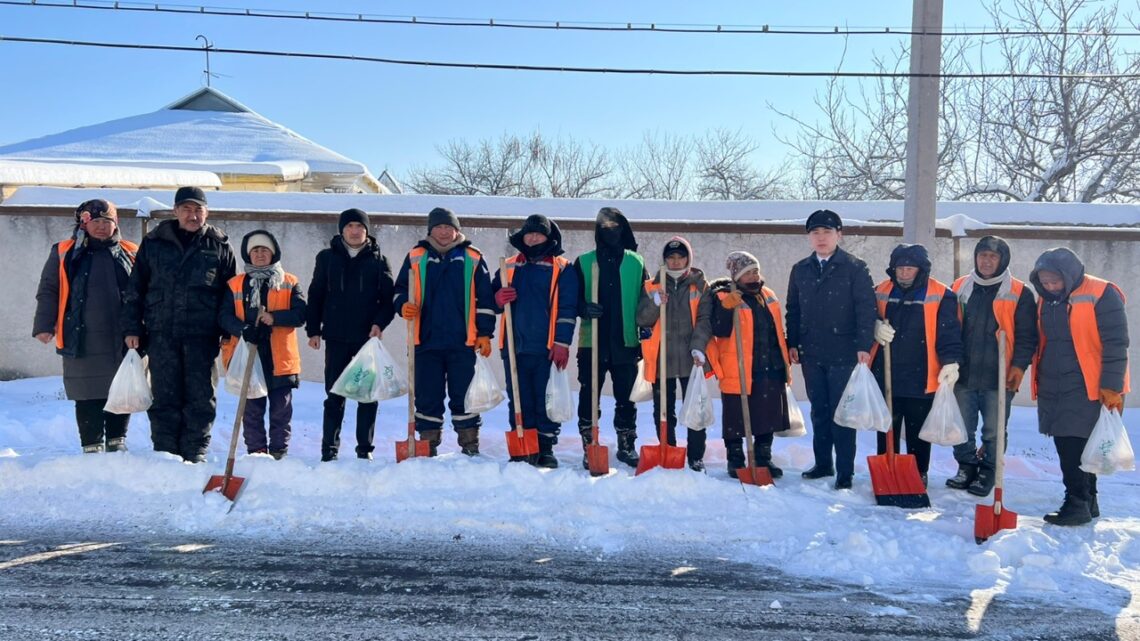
point(660, 167)
point(488, 168)
point(725, 170)
point(566, 168)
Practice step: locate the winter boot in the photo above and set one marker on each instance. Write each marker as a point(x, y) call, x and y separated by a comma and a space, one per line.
point(585, 432)
point(734, 454)
point(627, 448)
point(1073, 511)
point(1094, 507)
point(278, 454)
point(328, 455)
point(966, 474)
point(93, 449)
point(764, 459)
point(434, 438)
point(983, 484)
point(469, 440)
point(695, 450)
point(546, 456)
point(117, 444)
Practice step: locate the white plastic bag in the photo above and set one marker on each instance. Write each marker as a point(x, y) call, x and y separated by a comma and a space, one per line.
point(236, 371)
point(371, 376)
point(796, 425)
point(484, 393)
point(862, 406)
point(559, 404)
point(944, 424)
point(1108, 449)
point(642, 389)
point(696, 410)
point(130, 389)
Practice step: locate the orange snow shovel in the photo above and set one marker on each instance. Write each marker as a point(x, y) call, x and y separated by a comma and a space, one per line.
point(597, 455)
point(670, 457)
point(751, 475)
point(411, 448)
point(522, 444)
point(894, 477)
point(988, 519)
point(228, 484)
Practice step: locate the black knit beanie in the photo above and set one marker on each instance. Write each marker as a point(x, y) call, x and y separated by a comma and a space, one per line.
point(442, 216)
point(352, 216)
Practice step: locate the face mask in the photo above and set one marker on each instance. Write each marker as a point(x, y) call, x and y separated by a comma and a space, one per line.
point(751, 288)
point(611, 236)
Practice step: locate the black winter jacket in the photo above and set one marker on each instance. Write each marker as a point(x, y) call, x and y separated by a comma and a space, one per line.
point(830, 315)
point(348, 295)
point(178, 291)
point(979, 367)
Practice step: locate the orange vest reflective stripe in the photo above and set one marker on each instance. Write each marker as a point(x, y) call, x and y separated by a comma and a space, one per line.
point(935, 292)
point(650, 348)
point(721, 352)
point(282, 340)
point(65, 284)
point(418, 274)
point(560, 264)
point(1005, 309)
point(1086, 335)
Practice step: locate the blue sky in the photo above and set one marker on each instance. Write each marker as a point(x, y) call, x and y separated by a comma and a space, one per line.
point(393, 116)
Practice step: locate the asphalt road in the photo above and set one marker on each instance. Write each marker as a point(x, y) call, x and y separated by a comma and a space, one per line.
point(91, 587)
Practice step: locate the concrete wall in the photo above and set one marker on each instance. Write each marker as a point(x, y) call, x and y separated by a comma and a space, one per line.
point(26, 241)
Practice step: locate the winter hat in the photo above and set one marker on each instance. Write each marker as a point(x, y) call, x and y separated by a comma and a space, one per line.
point(824, 218)
point(190, 194)
point(353, 215)
point(676, 245)
point(904, 255)
point(740, 263)
point(442, 216)
point(260, 238)
point(997, 245)
point(97, 208)
point(535, 223)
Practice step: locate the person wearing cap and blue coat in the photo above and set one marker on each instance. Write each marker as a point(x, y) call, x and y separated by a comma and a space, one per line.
point(830, 321)
point(170, 309)
point(350, 301)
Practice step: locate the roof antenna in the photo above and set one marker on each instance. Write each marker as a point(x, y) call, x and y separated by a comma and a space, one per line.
point(206, 46)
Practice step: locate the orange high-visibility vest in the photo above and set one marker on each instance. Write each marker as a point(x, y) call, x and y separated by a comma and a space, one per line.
point(65, 285)
point(559, 264)
point(935, 292)
point(1005, 308)
point(417, 259)
point(650, 348)
point(282, 340)
point(722, 351)
point(1086, 335)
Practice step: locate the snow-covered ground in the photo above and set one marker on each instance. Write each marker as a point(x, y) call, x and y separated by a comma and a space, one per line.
point(803, 527)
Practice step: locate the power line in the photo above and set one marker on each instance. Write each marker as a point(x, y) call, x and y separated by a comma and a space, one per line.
point(576, 69)
point(612, 27)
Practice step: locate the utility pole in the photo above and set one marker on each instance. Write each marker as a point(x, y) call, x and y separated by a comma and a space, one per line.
point(922, 122)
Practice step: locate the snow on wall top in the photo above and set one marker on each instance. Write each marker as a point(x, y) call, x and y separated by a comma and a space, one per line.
point(16, 172)
point(951, 215)
point(209, 138)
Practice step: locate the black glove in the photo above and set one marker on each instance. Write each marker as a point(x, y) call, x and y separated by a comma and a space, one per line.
point(251, 334)
point(593, 310)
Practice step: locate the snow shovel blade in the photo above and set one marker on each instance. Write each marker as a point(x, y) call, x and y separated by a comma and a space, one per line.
point(670, 457)
point(422, 448)
point(228, 487)
point(598, 459)
point(522, 447)
point(754, 475)
point(897, 485)
point(989, 519)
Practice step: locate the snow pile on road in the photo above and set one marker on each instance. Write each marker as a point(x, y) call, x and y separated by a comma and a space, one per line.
point(803, 527)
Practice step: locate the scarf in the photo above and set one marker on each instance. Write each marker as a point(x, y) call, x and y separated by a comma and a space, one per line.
point(443, 249)
point(272, 275)
point(968, 287)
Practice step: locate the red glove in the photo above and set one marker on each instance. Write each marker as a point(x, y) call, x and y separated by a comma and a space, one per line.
point(1013, 378)
point(483, 345)
point(1112, 399)
point(560, 355)
point(506, 295)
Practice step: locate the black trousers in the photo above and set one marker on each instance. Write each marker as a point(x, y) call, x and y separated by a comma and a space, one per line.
point(280, 404)
point(338, 354)
point(181, 380)
point(825, 384)
point(97, 426)
point(1078, 483)
point(623, 375)
point(534, 373)
point(912, 412)
point(670, 403)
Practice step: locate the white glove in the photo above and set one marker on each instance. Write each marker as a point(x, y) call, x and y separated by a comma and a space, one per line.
point(698, 357)
point(657, 298)
point(948, 375)
point(884, 333)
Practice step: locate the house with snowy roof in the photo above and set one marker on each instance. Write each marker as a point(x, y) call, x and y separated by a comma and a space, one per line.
point(206, 139)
